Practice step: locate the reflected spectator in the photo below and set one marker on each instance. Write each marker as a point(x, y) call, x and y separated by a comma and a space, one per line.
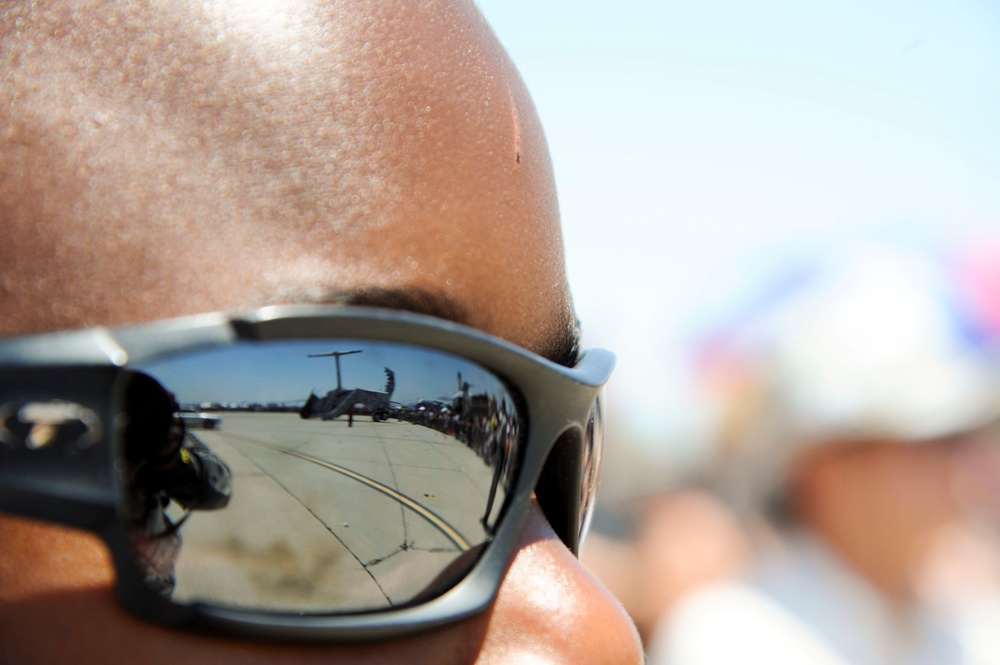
point(165, 465)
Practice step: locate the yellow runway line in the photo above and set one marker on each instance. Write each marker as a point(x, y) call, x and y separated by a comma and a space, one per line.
point(429, 515)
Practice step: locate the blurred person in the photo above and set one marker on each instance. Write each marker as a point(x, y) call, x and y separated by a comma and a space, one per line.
point(857, 412)
point(673, 543)
point(167, 159)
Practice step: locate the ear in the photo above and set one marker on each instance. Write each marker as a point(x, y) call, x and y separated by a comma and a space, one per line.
point(814, 474)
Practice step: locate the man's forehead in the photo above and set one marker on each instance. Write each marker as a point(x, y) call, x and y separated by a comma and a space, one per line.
point(198, 164)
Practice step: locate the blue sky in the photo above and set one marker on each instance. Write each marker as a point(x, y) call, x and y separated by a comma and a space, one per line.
point(283, 372)
point(700, 145)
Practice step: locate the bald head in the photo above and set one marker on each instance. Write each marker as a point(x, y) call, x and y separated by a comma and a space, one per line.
point(166, 158)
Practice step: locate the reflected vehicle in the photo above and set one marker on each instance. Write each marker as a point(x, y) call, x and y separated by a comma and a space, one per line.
point(429, 413)
point(198, 420)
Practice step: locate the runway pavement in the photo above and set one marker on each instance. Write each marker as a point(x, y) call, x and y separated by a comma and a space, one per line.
point(324, 517)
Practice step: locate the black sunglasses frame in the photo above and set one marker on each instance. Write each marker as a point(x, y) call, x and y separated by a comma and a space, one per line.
point(83, 488)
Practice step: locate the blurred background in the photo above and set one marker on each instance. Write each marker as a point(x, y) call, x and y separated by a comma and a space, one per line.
point(728, 171)
point(703, 150)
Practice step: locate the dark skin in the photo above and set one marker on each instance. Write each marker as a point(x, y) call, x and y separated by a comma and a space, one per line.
point(161, 161)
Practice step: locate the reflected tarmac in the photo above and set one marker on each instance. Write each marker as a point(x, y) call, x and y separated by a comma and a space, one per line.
point(327, 517)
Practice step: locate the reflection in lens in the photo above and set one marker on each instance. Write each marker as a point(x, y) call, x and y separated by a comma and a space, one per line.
point(363, 475)
point(591, 475)
point(163, 466)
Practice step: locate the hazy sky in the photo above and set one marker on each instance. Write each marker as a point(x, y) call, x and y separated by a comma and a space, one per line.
point(284, 372)
point(696, 144)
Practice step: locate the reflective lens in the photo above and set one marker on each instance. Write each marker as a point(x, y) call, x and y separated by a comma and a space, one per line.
point(315, 476)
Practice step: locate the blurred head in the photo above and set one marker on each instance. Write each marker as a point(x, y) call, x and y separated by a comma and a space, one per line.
point(680, 541)
point(857, 395)
point(888, 507)
point(168, 159)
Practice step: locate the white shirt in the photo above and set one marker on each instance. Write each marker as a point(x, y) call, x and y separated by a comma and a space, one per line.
point(801, 605)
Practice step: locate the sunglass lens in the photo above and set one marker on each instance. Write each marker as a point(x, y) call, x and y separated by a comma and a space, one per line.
point(316, 476)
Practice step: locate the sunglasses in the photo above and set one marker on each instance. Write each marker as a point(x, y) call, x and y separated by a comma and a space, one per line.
point(301, 473)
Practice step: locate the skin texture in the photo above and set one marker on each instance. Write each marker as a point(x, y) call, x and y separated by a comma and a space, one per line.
point(170, 160)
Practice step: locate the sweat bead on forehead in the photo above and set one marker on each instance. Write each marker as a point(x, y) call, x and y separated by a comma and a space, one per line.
point(171, 159)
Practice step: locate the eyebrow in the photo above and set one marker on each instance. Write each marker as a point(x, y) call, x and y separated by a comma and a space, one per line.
point(564, 349)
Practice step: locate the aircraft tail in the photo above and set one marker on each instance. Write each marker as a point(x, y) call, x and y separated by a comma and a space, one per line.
point(308, 409)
